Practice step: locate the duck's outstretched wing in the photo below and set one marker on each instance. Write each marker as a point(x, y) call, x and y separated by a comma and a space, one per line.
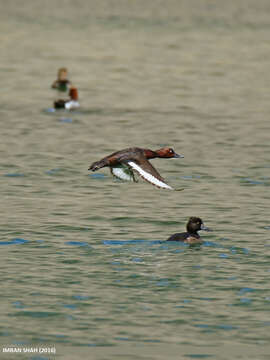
point(123, 173)
point(149, 173)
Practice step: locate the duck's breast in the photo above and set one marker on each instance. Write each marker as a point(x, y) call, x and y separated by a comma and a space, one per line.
point(192, 240)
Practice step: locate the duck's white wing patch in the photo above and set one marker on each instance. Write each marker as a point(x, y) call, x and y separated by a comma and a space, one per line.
point(149, 177)
point(123, 173)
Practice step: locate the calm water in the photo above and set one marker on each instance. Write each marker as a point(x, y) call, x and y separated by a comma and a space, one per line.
point(82, 266)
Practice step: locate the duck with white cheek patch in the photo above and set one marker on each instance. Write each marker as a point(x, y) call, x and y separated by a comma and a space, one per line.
point(191, 236)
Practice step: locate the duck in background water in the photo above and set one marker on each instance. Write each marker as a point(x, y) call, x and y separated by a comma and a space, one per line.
point(125, 162)
point(69, 104)
point(191, 236)
point(62, 83)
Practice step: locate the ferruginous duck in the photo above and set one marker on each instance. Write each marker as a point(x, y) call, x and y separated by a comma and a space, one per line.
point(124, 163)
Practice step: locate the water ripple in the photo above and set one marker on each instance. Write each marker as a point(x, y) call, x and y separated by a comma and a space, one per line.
point(16, 241)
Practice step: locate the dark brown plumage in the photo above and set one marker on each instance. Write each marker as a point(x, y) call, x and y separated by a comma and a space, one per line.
point(123, 163)
point(191, 236)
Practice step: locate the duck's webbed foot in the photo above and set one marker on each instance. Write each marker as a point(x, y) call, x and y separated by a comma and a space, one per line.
point(133, 178)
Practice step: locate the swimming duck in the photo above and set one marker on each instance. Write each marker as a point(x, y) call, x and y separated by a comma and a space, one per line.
point(62, 83)
point(125, 162)
point(68, 104)
point(191, 236)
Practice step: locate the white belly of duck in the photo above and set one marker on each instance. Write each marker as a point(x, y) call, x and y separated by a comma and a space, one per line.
point(69, 105)
point(122, 172)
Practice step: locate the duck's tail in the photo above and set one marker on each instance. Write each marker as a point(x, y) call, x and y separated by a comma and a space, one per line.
point(97, 165)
